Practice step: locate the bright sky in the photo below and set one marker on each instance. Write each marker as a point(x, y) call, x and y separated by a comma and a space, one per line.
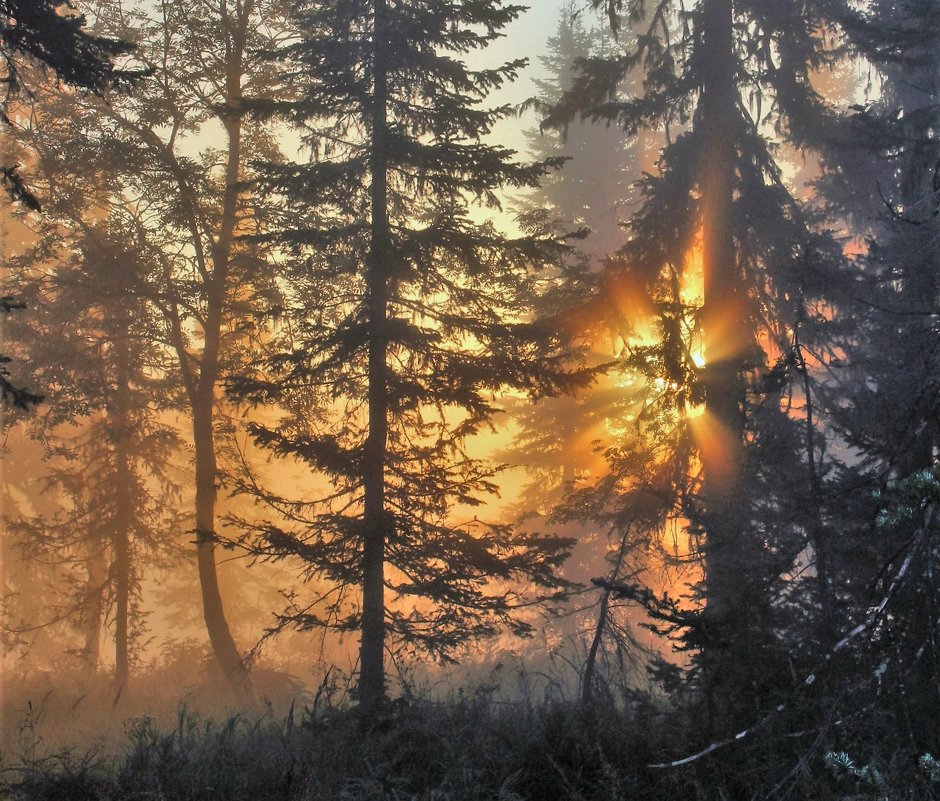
point(525, 38)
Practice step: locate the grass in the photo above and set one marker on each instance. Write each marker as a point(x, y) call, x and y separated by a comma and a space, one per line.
point(473, 746)
point(468, 748)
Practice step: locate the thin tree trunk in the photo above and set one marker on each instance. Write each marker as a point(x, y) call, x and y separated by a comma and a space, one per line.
point(372, 644)
point(590, 664)
point(96, 567)
point(123, 517)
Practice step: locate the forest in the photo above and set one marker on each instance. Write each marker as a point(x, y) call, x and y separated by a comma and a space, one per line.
point(454, 400)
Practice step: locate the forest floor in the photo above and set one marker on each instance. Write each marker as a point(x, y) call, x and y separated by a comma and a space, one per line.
point(474, 746)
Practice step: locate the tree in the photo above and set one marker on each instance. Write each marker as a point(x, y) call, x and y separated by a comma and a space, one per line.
point(559, 438)
point(594, 188)
point(727, 353)
point(416, 316)
point(38, 32)
point(108, 454)
point(883, 397)
point(189, 206)
point(48, 33)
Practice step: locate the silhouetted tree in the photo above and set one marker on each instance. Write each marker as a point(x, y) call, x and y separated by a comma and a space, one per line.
point(594, 188)
point(884, 397)
point(722, 70)
point(91, 338)
point(418, 317)
point(49, 33)
point(189, 205)
point(44, 33)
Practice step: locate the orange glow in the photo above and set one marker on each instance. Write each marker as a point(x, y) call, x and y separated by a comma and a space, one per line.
point(631, 299)
point(715, 444)
point(692, 296)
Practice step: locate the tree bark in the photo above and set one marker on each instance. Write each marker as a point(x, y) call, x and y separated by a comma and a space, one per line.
point(727, 554)
point(590, 664)
point(96, 566)
point(203, 391)
point(220, 636)
point(123, 515)
point(372, 644)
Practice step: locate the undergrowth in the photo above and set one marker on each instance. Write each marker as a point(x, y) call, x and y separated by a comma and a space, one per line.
point(474, 747)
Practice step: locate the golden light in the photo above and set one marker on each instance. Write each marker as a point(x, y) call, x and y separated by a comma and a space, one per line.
point(693, 410)
point(716, 445)
point(692, 297)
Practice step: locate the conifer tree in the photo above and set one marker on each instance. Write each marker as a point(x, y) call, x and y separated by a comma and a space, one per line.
point(417, 317)
point(719, 71)
point(883, 401)
point(106, 382)
point(49, 33)
point(559, 439)
point(44, 33)
point(594, 188)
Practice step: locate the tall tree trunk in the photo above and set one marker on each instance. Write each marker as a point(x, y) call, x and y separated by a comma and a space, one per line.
point(203, 398)
point(220, 636)
point(590, 664)
point(723, 322)
point(123, 516)
point(96, 567)
point(372, 644)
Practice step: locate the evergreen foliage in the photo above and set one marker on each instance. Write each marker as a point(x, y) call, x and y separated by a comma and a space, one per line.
point(419, 316)
point(717, 439)
point(44, 32)
point(106, 381)
point(187, 206)
point(49, 33)
point(884, 392)
point(766, 428)
point(594, 188)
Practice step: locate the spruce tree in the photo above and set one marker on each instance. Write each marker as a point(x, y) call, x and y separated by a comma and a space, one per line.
point(883, 400)
point(108, 454)
point(49, 33)
point(416, 317)
point(594, 188)
point(559, 439)
point(44, 33)
point(721, 73)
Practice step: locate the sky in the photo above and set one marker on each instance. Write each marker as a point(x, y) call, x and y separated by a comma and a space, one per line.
point(524, 38)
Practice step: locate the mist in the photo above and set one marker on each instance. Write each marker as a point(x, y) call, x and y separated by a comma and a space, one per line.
point(424, 400)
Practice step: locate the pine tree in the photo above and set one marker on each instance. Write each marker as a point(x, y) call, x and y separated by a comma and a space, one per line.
point(418, 315)
point(48, 33)
point(719, 71)
point(884, 399)
point(91, 340)
point(44, 32)
point(594, 188)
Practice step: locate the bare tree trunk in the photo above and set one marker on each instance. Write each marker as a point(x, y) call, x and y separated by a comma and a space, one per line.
point(372, 644)
point(123, 518)
point(96, 566)
point(220, 636)
point(202, 395)
point(590, 664)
